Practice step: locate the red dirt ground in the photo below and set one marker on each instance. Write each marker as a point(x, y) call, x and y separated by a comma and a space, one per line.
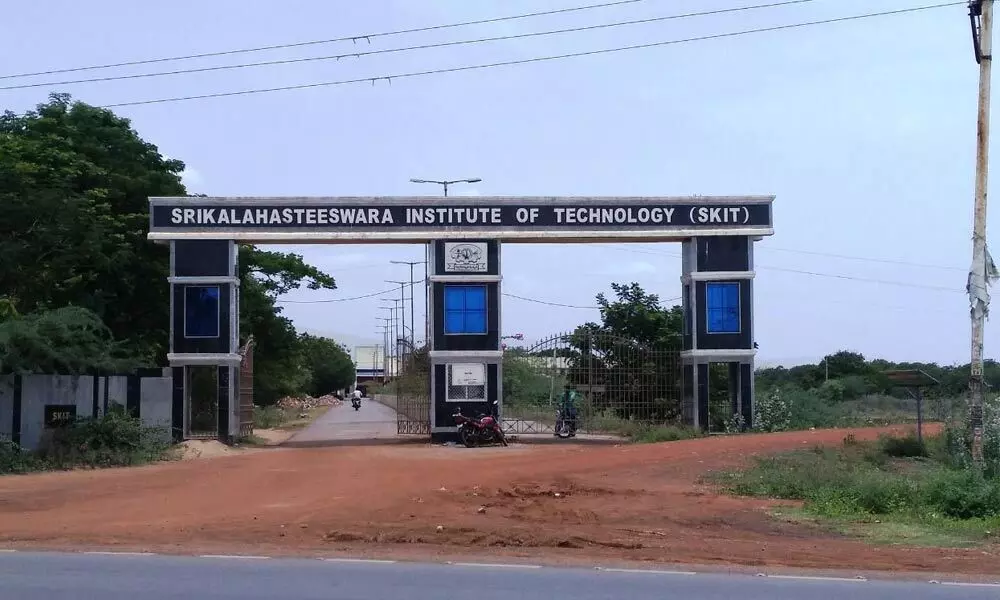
point(567, 504)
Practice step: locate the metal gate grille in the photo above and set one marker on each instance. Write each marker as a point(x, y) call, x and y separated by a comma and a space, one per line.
point(246, 389)
point(412, 391)
point(620, 384)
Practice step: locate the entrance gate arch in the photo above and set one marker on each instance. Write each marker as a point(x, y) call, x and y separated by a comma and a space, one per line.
point(463, 237)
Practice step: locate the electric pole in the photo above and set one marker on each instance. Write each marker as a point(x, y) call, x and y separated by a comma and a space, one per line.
point(413, 322)
point(402, 312)
point(983, 272)
point(385, 341)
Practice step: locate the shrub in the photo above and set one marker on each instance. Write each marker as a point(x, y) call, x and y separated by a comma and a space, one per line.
point(114, 439)
point(268, 417)
point(772, 412)
point(903, 447)
point(963, 495)
point(15, 459)
point(664, 433)
point(735, 423)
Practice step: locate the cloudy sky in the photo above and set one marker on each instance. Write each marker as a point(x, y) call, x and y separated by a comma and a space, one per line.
point(864, 130)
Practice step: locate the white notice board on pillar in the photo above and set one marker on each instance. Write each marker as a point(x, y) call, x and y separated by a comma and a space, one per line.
point(468, 374)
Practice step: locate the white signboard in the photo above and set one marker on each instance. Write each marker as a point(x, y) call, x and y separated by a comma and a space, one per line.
point(468, 374)
point(465, 257)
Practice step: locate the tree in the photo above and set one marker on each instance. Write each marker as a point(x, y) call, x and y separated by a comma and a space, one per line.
point(330, 366)
point(279, 369)
point(74, 183)
point(67, 340)
point(74, 186)
point(631, 355)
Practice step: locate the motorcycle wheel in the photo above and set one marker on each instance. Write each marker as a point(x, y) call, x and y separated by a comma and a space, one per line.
point(562, 430)
point(468, 437)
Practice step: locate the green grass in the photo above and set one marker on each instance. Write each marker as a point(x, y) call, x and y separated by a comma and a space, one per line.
point(895, 490)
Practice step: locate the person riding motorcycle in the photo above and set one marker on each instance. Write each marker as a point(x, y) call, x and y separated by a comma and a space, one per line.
point(567, 411)
point(356, 398)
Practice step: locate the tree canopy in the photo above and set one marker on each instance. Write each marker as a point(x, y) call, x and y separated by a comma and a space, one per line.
point(74, 186)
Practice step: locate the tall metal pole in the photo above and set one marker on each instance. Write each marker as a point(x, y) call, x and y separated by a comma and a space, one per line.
point(402, 299)
point(413, 320)
point(983, 270)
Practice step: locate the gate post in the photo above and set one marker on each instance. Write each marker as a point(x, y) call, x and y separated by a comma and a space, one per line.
point(204, 338)
point(464, 322)
point(717, 279)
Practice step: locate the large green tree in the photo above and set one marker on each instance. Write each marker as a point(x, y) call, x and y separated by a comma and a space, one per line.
point(74, 183)
point(631, 354)
point(330, 366)
point(74, 186)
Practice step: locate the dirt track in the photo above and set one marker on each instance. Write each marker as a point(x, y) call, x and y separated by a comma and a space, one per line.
point(556, 503)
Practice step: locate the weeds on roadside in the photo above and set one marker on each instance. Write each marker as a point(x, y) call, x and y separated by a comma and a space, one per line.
point(112, 440)
point(894, 478)
point(663, 433)
point(269, 417)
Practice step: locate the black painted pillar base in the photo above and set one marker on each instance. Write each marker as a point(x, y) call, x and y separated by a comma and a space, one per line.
point(702, 394)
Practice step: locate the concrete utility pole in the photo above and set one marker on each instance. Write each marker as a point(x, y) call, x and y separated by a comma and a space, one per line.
point(413, 322)
point(983, 271)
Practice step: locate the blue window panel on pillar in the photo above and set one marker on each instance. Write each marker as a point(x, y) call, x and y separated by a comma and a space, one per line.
point(722, 307)
point(465, 309)
point(201, 311)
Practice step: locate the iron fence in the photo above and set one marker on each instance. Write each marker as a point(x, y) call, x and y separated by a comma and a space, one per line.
point(620, 383)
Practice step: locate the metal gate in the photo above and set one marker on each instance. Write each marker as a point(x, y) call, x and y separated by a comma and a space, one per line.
point(412, 391)
point(246, 389)
point(620, 383)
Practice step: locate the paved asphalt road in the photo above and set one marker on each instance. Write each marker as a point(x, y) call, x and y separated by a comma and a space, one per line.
point(373, 421)
point(38, 576)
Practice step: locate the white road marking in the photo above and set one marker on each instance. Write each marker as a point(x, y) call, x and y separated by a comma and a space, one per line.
point(359, 560)
point(7, 550)
point(242, 556)
point(814, 577)
point(493, 565)
point(647, 571)
point(965, 584)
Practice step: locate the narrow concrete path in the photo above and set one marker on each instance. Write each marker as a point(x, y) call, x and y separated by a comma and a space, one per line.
point(374, 421)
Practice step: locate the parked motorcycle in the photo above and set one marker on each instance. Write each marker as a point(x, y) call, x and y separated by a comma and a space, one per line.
point(482, 430)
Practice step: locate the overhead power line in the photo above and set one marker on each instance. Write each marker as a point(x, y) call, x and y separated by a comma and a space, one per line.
point(396, 290)
point(350, 38)
point(887, 261)
point(484, 40)
point(937, 288)
point(539, 59)
point(547, 303)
